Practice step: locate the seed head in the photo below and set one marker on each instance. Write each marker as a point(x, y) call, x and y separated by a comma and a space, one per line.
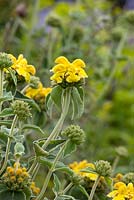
point(75, 134)
point(103, 168)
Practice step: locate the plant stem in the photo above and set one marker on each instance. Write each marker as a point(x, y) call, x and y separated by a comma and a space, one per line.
point(1, 85)
point(115, 162)
point(57, 129)
point(68, 187)
point(94, 188)
point(65, 107)
point(50, 172)
point(9, 143)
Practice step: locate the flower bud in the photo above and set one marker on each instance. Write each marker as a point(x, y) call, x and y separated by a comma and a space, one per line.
point(128, 178)
point(5, 61)
point(54, 21)
point(103, 168)
point(21, 109)
point(76, 179)
point(121, 151)
point(34, 82)
point(75, 134)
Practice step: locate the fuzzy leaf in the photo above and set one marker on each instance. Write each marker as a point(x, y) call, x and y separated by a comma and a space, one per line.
point(56, 95)
point(33, 127)
point(57, 184)
point(77, 103)
point(6, 112)
point(70, 148)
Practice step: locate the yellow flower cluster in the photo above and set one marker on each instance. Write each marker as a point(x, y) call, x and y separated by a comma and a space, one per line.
point(67, 71)
point(77, 167)
point(122, 191)
point(22, 68)
point(34, 189)
point(38, 94)
point(16, 177)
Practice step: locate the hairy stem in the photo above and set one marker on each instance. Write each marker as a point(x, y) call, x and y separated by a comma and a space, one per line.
point(57, 129)
point(9, 143)
point(94, 188)
point(51, 172)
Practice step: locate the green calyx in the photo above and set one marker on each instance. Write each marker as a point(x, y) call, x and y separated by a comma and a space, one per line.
point(21, 109)
point(103, 168)
point(5, 61)
point(75, 134)
point(128, 178)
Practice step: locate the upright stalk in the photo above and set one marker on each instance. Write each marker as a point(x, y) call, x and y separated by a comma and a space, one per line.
point(43, 190)
point(9, 144)
point(115, 163)
point(94, 188)
point(1, 85)
point(68, 187)
point(57, 129)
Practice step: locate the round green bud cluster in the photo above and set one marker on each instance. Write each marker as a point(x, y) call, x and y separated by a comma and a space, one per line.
point(130, 17)
point(76, 179)
point(75, 134)
point(5, 61)
point(122, 151)
point(54, 21)
point(103, 168)
point(21, 109)
point(34, 82)
point(128, 178)
point(117, 33)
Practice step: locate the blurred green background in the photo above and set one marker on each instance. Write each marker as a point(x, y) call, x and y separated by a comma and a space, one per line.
point(101, 33)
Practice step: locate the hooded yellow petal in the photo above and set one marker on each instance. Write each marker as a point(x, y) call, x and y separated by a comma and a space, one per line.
point(62, 60)
point(79, 63)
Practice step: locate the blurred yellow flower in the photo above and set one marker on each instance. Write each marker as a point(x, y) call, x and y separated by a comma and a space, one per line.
point(77, 167)
point(22, 68)
point(122, 191)
point(69, 72)
point(38, 93)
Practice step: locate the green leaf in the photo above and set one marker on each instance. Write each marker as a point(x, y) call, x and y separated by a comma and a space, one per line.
point(81, 92)
point(6, 122)
point(9, 195)
point(57, 185)
point(82, 189)
point(19, 149)
point(77, 103)
point(39, 151)
point(3, 187)
point(65, 169)
point(6, 112)
point(27, 192)
point(65, 197)
point(33, 127)
point(12, 73)
point(52, 144)
point(49, 105)
point(6, 97)
point(88, 170)
point(70, 148)
point(56, 95)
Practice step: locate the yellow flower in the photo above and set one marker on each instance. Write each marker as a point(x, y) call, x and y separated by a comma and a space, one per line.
point(77, 167)
point(122, 191)
point(22, 68)
point(39, 92)
point(67, 71)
